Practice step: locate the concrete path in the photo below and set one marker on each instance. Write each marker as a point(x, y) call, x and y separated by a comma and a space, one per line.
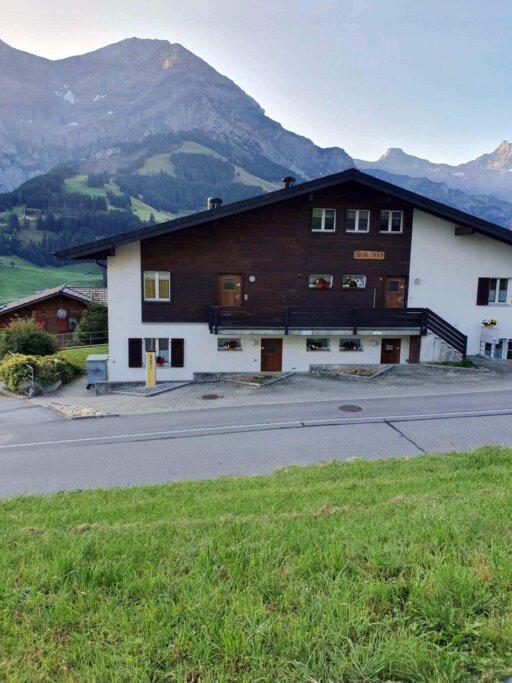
point(39, 454)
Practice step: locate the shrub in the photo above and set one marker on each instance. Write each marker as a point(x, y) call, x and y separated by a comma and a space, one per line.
point(94, 319)
point(15, 371)
point(26, 338)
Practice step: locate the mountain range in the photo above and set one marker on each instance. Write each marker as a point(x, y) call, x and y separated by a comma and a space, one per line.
point(161, 127)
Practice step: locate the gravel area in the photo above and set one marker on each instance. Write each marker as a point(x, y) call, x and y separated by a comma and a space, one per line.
point(403, 380)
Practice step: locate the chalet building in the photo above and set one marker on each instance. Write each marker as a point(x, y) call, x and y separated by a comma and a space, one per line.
point(57, 310)
point(342, 269)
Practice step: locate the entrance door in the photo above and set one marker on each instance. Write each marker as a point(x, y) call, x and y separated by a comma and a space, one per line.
point(271, 355)
point(394, 292)
point(390, 351)
point(230, 290)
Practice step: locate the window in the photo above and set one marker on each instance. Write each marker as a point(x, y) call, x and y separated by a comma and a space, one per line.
point(357, 220)
point(320, 281)
point(160, 346)
point(350, 344)
point(229, 344)
point(71, 324)
point(323, 220)
point(315, 344)
point(391, 221)
point(354, 281)
point(498, 288)
point(157, 286)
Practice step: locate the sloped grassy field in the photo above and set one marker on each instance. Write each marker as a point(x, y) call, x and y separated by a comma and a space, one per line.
point(397, 570)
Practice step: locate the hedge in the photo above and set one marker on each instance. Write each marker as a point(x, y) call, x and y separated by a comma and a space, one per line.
point(14, 370)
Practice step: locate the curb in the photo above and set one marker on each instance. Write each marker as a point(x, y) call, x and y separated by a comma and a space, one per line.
point(55, 407)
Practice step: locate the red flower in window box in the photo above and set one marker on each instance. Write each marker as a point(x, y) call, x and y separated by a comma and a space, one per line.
point(160, 360)
point(322, 283)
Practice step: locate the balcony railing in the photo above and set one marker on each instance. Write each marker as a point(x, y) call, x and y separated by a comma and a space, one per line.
point(285, 319)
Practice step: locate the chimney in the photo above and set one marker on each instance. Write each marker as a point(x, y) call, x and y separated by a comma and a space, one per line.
point(214, 203)
point(288, 181)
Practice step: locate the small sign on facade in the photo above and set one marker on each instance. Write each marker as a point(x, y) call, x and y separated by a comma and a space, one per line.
point(370, 255)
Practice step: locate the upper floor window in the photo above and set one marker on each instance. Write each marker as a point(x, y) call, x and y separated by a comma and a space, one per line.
point(391, 221)
point(498, 289)
point(320, 281)
point(323, 220)
point(357, 220)
point(157, 286)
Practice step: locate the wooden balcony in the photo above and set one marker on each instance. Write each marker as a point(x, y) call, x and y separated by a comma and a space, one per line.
point(289, 320)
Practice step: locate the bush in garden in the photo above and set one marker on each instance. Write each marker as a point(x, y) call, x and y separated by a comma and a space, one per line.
point(26, 338)
point(15, 371)
point(94, 319)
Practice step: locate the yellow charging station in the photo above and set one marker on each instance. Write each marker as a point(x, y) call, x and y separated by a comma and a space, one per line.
point(151, 369)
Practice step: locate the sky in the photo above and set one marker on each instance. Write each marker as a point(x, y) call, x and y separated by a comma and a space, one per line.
point(430, 76)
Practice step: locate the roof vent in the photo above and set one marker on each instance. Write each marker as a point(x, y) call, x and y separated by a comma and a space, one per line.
point(288, 181)
point(214, 203)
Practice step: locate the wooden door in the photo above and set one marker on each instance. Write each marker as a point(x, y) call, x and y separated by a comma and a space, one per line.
point(271, 355)
point(390, 351)
point(230, 289)
point(394, 292)
point(414, 348)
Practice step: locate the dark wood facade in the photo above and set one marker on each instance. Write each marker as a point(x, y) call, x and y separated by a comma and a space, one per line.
point(45, 313)
point(276, 246)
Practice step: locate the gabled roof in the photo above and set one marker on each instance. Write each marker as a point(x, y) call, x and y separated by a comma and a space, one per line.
point(105, 247)
point(43, 294)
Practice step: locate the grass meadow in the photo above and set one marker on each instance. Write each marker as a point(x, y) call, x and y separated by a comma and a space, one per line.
point(392, 570)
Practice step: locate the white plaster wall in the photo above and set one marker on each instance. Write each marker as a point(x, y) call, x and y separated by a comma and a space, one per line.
point(448, 268)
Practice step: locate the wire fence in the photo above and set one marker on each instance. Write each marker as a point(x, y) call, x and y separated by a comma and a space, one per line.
point(65, 339)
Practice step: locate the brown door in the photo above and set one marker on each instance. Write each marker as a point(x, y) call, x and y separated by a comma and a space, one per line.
point(271, 355)
point(390, 351)
point(394, 292)
point(414, 349)
point(230, 290)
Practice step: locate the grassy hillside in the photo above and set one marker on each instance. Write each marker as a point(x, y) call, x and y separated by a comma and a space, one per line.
point(395, 570)
point(25, 278)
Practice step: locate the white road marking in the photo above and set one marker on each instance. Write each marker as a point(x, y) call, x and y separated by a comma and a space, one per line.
point(268, 425)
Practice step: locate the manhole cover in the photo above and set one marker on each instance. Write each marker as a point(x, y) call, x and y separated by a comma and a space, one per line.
point(210, 397)
point(350, 409)
point(6, 437)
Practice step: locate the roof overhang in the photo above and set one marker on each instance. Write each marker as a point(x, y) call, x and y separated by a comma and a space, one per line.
point(100, 249)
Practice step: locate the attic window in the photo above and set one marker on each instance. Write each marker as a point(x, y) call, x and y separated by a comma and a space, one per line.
point(323, 220)
point(391, 221)
point(357, 220)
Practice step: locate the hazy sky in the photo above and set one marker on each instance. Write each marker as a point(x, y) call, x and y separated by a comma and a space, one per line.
point(431, 76)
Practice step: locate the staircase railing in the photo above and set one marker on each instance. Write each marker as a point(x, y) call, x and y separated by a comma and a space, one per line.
point(441, 328)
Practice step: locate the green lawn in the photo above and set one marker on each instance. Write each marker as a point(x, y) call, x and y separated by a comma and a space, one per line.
point(393, 570)
point(78, 356)
point(25, 278)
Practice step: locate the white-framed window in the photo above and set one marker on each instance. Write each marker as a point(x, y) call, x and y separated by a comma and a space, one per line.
point(317, 344)
point(357, 220)
point(323, 220)
point(350, 344)
point(498, 290)
point(391, 221)
point(354, 281)
point(160, 345)
point(320, 281)
point(157, 285)
point(229, 344)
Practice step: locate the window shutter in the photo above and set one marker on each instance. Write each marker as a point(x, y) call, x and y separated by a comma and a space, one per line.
point(177, 353)
point(134, 353)
point(482, 295)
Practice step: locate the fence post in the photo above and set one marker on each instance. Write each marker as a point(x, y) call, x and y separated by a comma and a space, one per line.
point(216, 320)
point(286, 319)
point(424, 322)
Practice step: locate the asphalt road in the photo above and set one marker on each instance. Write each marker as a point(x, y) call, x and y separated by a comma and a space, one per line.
point(42, 452)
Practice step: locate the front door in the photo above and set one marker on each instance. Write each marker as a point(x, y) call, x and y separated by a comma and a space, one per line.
point(390, 351)
point(271, 355)
point(230, 290)
point(394, 292)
